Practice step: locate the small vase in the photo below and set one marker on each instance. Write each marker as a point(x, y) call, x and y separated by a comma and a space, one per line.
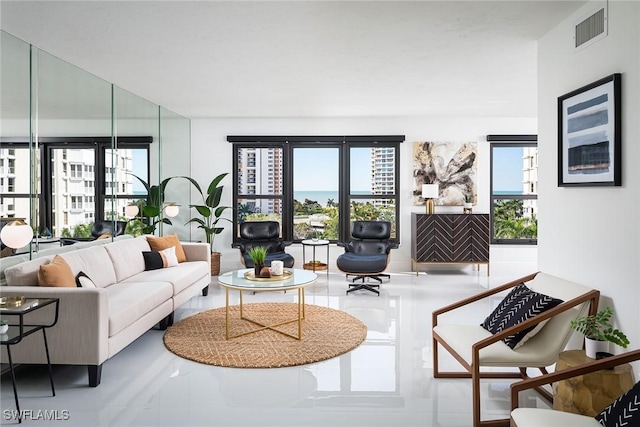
point(591, 347)
point(4, 329)
point(256, 269)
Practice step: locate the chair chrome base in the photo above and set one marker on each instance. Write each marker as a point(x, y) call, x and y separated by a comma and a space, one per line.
point(366, 286)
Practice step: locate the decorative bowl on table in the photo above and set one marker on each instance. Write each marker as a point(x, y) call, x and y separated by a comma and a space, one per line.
point(250, 275)
point(11, 301)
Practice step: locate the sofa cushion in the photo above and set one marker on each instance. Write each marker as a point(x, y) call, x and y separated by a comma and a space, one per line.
point(95, 263)
point(519, 305)
point(84, 281)
point(181, 276)
point(126, 256)
point(25, 273)
point(128, 302)
point(56, 273)
point(160, 243)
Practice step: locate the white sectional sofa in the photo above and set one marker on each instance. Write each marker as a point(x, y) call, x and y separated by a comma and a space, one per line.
point(96, 323)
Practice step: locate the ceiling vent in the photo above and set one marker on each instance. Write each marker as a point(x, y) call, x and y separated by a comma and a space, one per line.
point(591, 29)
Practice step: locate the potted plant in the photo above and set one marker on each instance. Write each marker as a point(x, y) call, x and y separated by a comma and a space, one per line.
point(258, 254)
point(4, 327)
point(598, 332)
point(151, 207)
point(211, 213)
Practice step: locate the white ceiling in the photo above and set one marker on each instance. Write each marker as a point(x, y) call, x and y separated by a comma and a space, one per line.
point(303, 58)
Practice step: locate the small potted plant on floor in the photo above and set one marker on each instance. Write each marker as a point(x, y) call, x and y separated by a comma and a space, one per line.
point(598, 332)
point(258, 254)
point(4, 327)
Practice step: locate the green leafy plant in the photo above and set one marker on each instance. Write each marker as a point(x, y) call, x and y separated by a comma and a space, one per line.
point(598, 327)
point(3, 322)
point(258, 254)
point(211, 211)
point(151, 207)
point(468, 198)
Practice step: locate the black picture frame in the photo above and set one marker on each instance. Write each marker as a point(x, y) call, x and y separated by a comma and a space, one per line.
point(589, 135)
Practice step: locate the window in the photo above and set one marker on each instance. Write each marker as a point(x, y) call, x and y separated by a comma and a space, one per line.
point(306, 183)
point(76, 171)
point(514, 185)
point(76, 188)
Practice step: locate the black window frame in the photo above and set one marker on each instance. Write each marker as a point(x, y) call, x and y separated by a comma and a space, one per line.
point(508, 141)
point(99, 145)
point(344, 144)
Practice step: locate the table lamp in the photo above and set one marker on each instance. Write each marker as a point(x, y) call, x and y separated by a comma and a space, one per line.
point(16, 234)
point(430, 192)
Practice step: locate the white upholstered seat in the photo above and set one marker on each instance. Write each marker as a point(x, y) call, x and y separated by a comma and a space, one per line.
point(475, 348)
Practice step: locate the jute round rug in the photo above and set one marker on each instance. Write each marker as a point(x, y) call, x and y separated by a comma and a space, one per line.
point(326, 333)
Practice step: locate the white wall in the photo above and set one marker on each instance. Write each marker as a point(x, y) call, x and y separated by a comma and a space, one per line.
point(591, 234)
point(211, 155)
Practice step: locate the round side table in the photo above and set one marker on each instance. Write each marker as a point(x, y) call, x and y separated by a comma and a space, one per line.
point(589, 394)
point(315, 264)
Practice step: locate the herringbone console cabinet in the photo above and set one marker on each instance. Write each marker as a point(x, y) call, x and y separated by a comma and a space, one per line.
point(449, 239)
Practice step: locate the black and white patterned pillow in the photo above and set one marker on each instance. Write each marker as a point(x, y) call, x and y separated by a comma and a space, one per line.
point(624, 411)
point(519, 305)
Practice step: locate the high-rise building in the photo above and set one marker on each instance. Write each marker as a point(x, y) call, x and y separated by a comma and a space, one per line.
point(530, 179)
point(382, 173)
point(259, 172)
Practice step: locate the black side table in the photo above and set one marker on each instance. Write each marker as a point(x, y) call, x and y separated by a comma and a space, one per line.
point(22, 329)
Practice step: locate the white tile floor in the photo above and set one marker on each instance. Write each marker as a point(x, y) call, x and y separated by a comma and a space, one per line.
point(386, 381)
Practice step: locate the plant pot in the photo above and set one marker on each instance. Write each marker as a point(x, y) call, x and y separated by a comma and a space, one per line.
point(4, 329)
point(215, 263)
point(591, 347)
point(257, 268)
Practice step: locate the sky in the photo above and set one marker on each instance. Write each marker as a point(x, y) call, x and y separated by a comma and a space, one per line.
point(316, 169)
point(507, 169)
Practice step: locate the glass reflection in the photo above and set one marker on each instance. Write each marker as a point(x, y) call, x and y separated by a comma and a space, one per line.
point(70, 143)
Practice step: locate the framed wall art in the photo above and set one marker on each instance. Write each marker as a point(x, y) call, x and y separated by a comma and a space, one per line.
point(589, 135)
point(450, 165)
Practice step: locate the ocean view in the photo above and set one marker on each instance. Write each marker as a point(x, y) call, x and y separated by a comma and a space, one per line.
point(318, 196)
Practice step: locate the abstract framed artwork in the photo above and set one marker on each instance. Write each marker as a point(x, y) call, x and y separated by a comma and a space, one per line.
point(451, 165)
point(589, 135)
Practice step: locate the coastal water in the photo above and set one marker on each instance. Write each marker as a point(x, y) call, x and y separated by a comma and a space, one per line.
point(321, 196)
point(317, 196)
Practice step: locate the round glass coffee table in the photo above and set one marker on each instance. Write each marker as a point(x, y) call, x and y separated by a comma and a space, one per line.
point(243, 280)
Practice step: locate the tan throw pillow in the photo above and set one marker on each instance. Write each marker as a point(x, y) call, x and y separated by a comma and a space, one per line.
point(159, 243)
point(57, 273)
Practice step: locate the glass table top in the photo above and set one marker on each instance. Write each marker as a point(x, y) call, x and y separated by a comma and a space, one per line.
point(236, 280)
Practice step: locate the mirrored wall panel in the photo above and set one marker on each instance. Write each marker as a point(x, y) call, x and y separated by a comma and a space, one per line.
point(82, 159)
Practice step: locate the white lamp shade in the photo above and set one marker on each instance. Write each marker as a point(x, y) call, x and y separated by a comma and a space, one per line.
point(131, 211)
point(16, 234)
point(430, 191)
point(171, 210)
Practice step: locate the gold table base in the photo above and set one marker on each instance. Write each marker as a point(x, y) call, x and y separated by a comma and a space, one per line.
point(263, 326)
